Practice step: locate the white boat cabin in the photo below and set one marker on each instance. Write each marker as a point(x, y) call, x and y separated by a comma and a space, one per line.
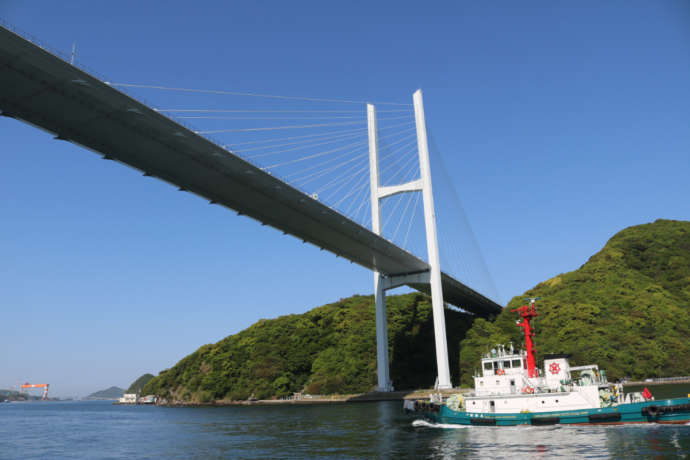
point(504, 385)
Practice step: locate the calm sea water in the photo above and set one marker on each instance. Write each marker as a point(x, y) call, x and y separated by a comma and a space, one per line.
point(100, 430)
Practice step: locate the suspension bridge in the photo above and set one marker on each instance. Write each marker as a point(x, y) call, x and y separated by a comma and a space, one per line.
point(340, 178)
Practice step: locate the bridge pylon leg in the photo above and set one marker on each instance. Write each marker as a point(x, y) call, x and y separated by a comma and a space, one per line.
point(382, 362)
point(432, 246)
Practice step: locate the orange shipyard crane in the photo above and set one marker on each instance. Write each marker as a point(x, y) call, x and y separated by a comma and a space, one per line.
point(38, 385)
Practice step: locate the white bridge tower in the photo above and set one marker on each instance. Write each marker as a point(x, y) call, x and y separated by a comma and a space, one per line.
point(433, 276)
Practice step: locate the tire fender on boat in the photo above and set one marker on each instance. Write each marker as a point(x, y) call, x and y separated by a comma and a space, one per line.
point(653, 411)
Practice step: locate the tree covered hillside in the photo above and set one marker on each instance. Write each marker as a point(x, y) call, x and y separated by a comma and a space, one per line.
point(626, 309)
point(139, 383)
point(109, 393)
point(330, 349)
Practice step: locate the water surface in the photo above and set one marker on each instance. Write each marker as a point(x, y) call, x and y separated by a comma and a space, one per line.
point(100, 430)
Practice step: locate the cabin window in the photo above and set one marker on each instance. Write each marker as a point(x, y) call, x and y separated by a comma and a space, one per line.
point(542, 402)
point(557, 400)
point(506, 364)
point(481, 383)
point(473, 403)
point(516, 363)
point(488, 366)
point(498, 382)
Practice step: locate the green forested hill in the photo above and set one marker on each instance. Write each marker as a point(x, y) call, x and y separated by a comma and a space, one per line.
point(139, 383)
point(330, 349)
point(109, 393)
point(626, 309)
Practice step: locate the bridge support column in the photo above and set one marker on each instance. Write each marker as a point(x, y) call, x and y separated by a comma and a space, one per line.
point(382, 362)
point(432, 245)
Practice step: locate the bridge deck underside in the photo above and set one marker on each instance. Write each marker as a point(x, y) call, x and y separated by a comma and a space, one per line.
point(49, 93)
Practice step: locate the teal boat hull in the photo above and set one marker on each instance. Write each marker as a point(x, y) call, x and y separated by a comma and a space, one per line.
point(671, 411)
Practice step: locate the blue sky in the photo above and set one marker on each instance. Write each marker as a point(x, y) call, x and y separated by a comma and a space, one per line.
point(560, 123)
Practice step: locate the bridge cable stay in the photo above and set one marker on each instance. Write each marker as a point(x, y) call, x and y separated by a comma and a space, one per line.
point(317, 145)
point(252, 94)
point(399, 211)
point(464, 246)
point(461, 254)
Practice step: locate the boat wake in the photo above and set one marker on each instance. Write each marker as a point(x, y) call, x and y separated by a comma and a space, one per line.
point(426, 424)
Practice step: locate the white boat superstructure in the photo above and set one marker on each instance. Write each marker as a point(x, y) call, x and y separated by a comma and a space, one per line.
point(510, 382)
point(504, 385)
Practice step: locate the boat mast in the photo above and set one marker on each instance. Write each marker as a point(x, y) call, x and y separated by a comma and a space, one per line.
point(527, 312)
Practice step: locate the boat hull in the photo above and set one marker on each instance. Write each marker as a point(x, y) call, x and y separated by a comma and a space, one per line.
point(668, 411)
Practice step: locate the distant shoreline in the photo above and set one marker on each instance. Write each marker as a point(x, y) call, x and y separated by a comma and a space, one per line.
point(656, 382)
point(422, 394)
point(322, 399)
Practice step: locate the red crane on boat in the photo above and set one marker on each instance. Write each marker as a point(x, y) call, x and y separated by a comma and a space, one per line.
point(527, 312)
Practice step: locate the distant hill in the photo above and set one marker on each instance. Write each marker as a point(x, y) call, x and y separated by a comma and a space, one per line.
point(626, 309)
point(139, 383)
point(13, 395)
point(330, 349)
point(110, 393)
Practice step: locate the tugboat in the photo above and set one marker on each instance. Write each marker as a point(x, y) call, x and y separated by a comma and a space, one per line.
point(511, 390)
